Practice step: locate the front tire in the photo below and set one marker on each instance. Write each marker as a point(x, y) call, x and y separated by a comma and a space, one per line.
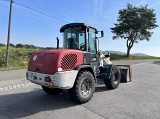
point(114, 80)
point(52, 91)
point(83, 88)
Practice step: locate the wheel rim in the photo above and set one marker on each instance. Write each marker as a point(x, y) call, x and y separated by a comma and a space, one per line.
point(86, 87)
point(115, 78)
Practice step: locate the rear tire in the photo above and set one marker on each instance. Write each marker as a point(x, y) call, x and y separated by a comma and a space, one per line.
point(83, 88)
point(52, 91)
point(114, 80)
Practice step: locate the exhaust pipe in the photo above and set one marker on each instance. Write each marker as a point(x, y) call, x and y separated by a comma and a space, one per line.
point(57, 43)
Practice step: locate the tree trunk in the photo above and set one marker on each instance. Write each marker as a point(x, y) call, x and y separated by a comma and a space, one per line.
point(129, 44)
point(128, 52)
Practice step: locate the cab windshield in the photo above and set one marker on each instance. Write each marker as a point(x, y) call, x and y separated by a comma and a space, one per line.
point(74, 38)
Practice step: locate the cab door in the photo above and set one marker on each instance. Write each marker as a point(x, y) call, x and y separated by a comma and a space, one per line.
point(92, 49)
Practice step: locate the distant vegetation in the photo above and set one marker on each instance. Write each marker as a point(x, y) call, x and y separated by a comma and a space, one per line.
point(25, 46)
point(19, 55)
point(116, 55)
point(124, 57)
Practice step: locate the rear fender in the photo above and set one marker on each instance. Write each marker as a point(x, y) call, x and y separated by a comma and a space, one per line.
point(85, 67)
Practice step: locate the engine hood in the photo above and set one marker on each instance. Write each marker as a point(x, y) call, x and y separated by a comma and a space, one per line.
point(48, 61)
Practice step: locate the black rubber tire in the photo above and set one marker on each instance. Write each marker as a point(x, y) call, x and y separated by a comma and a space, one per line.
point(114, 80)
point(83, 88)
point(52, 91)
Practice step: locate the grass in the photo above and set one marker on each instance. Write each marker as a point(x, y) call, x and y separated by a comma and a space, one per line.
point(19, 57)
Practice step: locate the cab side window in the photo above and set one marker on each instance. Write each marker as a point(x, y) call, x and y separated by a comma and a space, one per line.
point(92, 41)
point(82, 45)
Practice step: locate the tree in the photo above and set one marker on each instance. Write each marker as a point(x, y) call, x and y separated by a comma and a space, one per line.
point(19, 45)
point(134, 25)
point(12, 45)
point(2, 44)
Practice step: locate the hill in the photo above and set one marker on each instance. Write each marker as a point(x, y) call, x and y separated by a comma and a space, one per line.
point(123, 53)
point(139, 54)
point(113, 52)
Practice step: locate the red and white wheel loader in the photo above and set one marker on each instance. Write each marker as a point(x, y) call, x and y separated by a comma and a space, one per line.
point(76, 67)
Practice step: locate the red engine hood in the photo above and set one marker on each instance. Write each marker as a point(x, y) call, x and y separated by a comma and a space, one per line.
point(48, 61)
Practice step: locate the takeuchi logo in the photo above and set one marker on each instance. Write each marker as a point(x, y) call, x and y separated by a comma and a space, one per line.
point(35, 57)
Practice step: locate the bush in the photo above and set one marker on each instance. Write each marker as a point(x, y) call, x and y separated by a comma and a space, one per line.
point(2, 60)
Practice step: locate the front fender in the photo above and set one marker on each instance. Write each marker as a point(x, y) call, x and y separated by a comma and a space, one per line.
point(105, 71)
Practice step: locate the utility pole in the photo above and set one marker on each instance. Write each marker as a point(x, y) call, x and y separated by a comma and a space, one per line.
point(8, 37)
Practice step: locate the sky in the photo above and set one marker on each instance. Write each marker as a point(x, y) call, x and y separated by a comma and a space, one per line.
point(31, 27)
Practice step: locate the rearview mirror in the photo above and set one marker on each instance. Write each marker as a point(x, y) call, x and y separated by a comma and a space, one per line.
point(102, 33)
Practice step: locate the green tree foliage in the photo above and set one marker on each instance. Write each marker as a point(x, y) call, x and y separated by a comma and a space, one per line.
point(12, 45)
point(28, 46)
point(2, 44)
point(19, 45)
point(134, 25)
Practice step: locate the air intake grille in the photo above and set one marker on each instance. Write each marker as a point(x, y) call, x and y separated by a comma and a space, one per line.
point(69, 61)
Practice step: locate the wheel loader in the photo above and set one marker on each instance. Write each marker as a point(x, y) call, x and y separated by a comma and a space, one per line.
point(76, 67)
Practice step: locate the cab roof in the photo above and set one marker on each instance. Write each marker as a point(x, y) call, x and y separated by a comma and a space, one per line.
point(75, 25)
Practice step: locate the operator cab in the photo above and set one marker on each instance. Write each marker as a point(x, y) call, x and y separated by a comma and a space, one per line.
point(79, 36)
point(83, 37)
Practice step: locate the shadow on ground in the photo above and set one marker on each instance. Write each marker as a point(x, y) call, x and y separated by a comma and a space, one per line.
point(29, 103)
point(156, 62)
point(26, 104)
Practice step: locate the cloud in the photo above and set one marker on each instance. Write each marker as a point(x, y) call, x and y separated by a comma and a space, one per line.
point(155, 4)
point(98, 7)
point(141, 2)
